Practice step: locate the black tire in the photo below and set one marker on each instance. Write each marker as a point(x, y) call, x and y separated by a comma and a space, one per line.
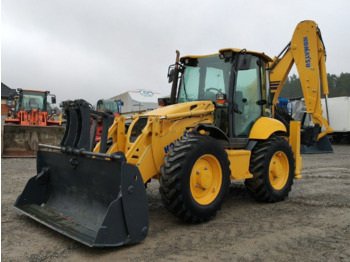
point(272, 166)
point(184, 180)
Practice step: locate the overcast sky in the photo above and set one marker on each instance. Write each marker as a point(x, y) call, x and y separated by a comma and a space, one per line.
point(95, 49)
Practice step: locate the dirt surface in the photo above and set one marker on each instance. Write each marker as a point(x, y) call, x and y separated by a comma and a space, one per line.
point(313, 224)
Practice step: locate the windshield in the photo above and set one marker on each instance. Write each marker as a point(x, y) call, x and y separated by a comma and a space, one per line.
point(111, 105)
point(32, 100)
point(203, 78)
point(108, 105)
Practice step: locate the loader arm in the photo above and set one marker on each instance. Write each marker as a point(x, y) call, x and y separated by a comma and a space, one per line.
point(307, 51)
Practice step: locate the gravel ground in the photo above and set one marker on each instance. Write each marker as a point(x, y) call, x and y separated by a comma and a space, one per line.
point(313, 224)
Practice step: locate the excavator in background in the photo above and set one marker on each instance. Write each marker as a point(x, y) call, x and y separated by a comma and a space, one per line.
point(29, 123)
point(218, 125)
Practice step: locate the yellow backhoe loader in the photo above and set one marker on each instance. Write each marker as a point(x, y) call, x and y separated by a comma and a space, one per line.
point(218, 125)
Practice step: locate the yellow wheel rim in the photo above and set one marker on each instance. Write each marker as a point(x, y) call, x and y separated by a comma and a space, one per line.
point(206, 179)
point(279, 170)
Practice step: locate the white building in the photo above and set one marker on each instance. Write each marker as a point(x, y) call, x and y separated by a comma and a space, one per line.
point(138, 100)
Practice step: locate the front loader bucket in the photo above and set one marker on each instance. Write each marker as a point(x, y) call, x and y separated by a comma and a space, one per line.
point(96, 201)
point(23, 141)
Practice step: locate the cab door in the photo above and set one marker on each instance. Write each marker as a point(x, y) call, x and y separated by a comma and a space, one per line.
point(251, 95)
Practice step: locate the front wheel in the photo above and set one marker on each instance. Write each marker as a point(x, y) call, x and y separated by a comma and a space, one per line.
point(195, 178)
point(272, 166)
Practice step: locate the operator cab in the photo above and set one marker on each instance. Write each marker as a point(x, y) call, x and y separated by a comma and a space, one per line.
point(29, 100)
point(111, 105)
point(236, 81)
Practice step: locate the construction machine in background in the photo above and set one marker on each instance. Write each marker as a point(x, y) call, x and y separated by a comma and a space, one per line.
point(218, 125)
point(29, 123)
point(110, 106)
point(104, 105)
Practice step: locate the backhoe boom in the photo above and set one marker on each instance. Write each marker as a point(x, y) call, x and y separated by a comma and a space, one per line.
point(308, 53)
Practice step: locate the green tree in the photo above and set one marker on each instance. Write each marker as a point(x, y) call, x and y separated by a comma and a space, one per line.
point(292, 87)
point(342, 85)
point(337, 85)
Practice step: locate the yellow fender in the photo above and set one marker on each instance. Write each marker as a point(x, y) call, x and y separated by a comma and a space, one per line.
point(264, 127)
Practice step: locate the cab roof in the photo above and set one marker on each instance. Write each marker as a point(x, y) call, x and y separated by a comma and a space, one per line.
point(235, 50)
point(34, 91)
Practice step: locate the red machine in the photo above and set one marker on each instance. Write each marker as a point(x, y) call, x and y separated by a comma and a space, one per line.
point(106, 105)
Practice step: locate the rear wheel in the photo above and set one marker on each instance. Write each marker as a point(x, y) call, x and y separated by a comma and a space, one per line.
point(272, 166)
point(195, 178)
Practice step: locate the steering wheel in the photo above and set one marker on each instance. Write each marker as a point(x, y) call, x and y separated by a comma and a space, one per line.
point(210, 95)
point(213, 88)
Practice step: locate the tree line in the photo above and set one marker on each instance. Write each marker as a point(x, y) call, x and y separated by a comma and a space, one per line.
point(339, 85)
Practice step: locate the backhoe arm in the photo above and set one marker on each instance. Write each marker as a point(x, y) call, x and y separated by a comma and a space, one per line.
point(308, 53)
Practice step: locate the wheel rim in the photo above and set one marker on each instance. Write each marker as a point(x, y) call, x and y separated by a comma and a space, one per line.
point(279, 170)
point(206, 179)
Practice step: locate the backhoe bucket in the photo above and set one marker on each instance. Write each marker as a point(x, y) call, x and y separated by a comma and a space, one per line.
point(321, 146)
point(23, 141)
point(96, 201)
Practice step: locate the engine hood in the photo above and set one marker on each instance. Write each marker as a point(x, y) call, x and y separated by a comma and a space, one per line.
point(182, 108)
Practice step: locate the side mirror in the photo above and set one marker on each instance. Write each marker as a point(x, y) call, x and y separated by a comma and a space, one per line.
point(171, 73)
point(244, 61)
point(119, 102)
point(53, 100)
